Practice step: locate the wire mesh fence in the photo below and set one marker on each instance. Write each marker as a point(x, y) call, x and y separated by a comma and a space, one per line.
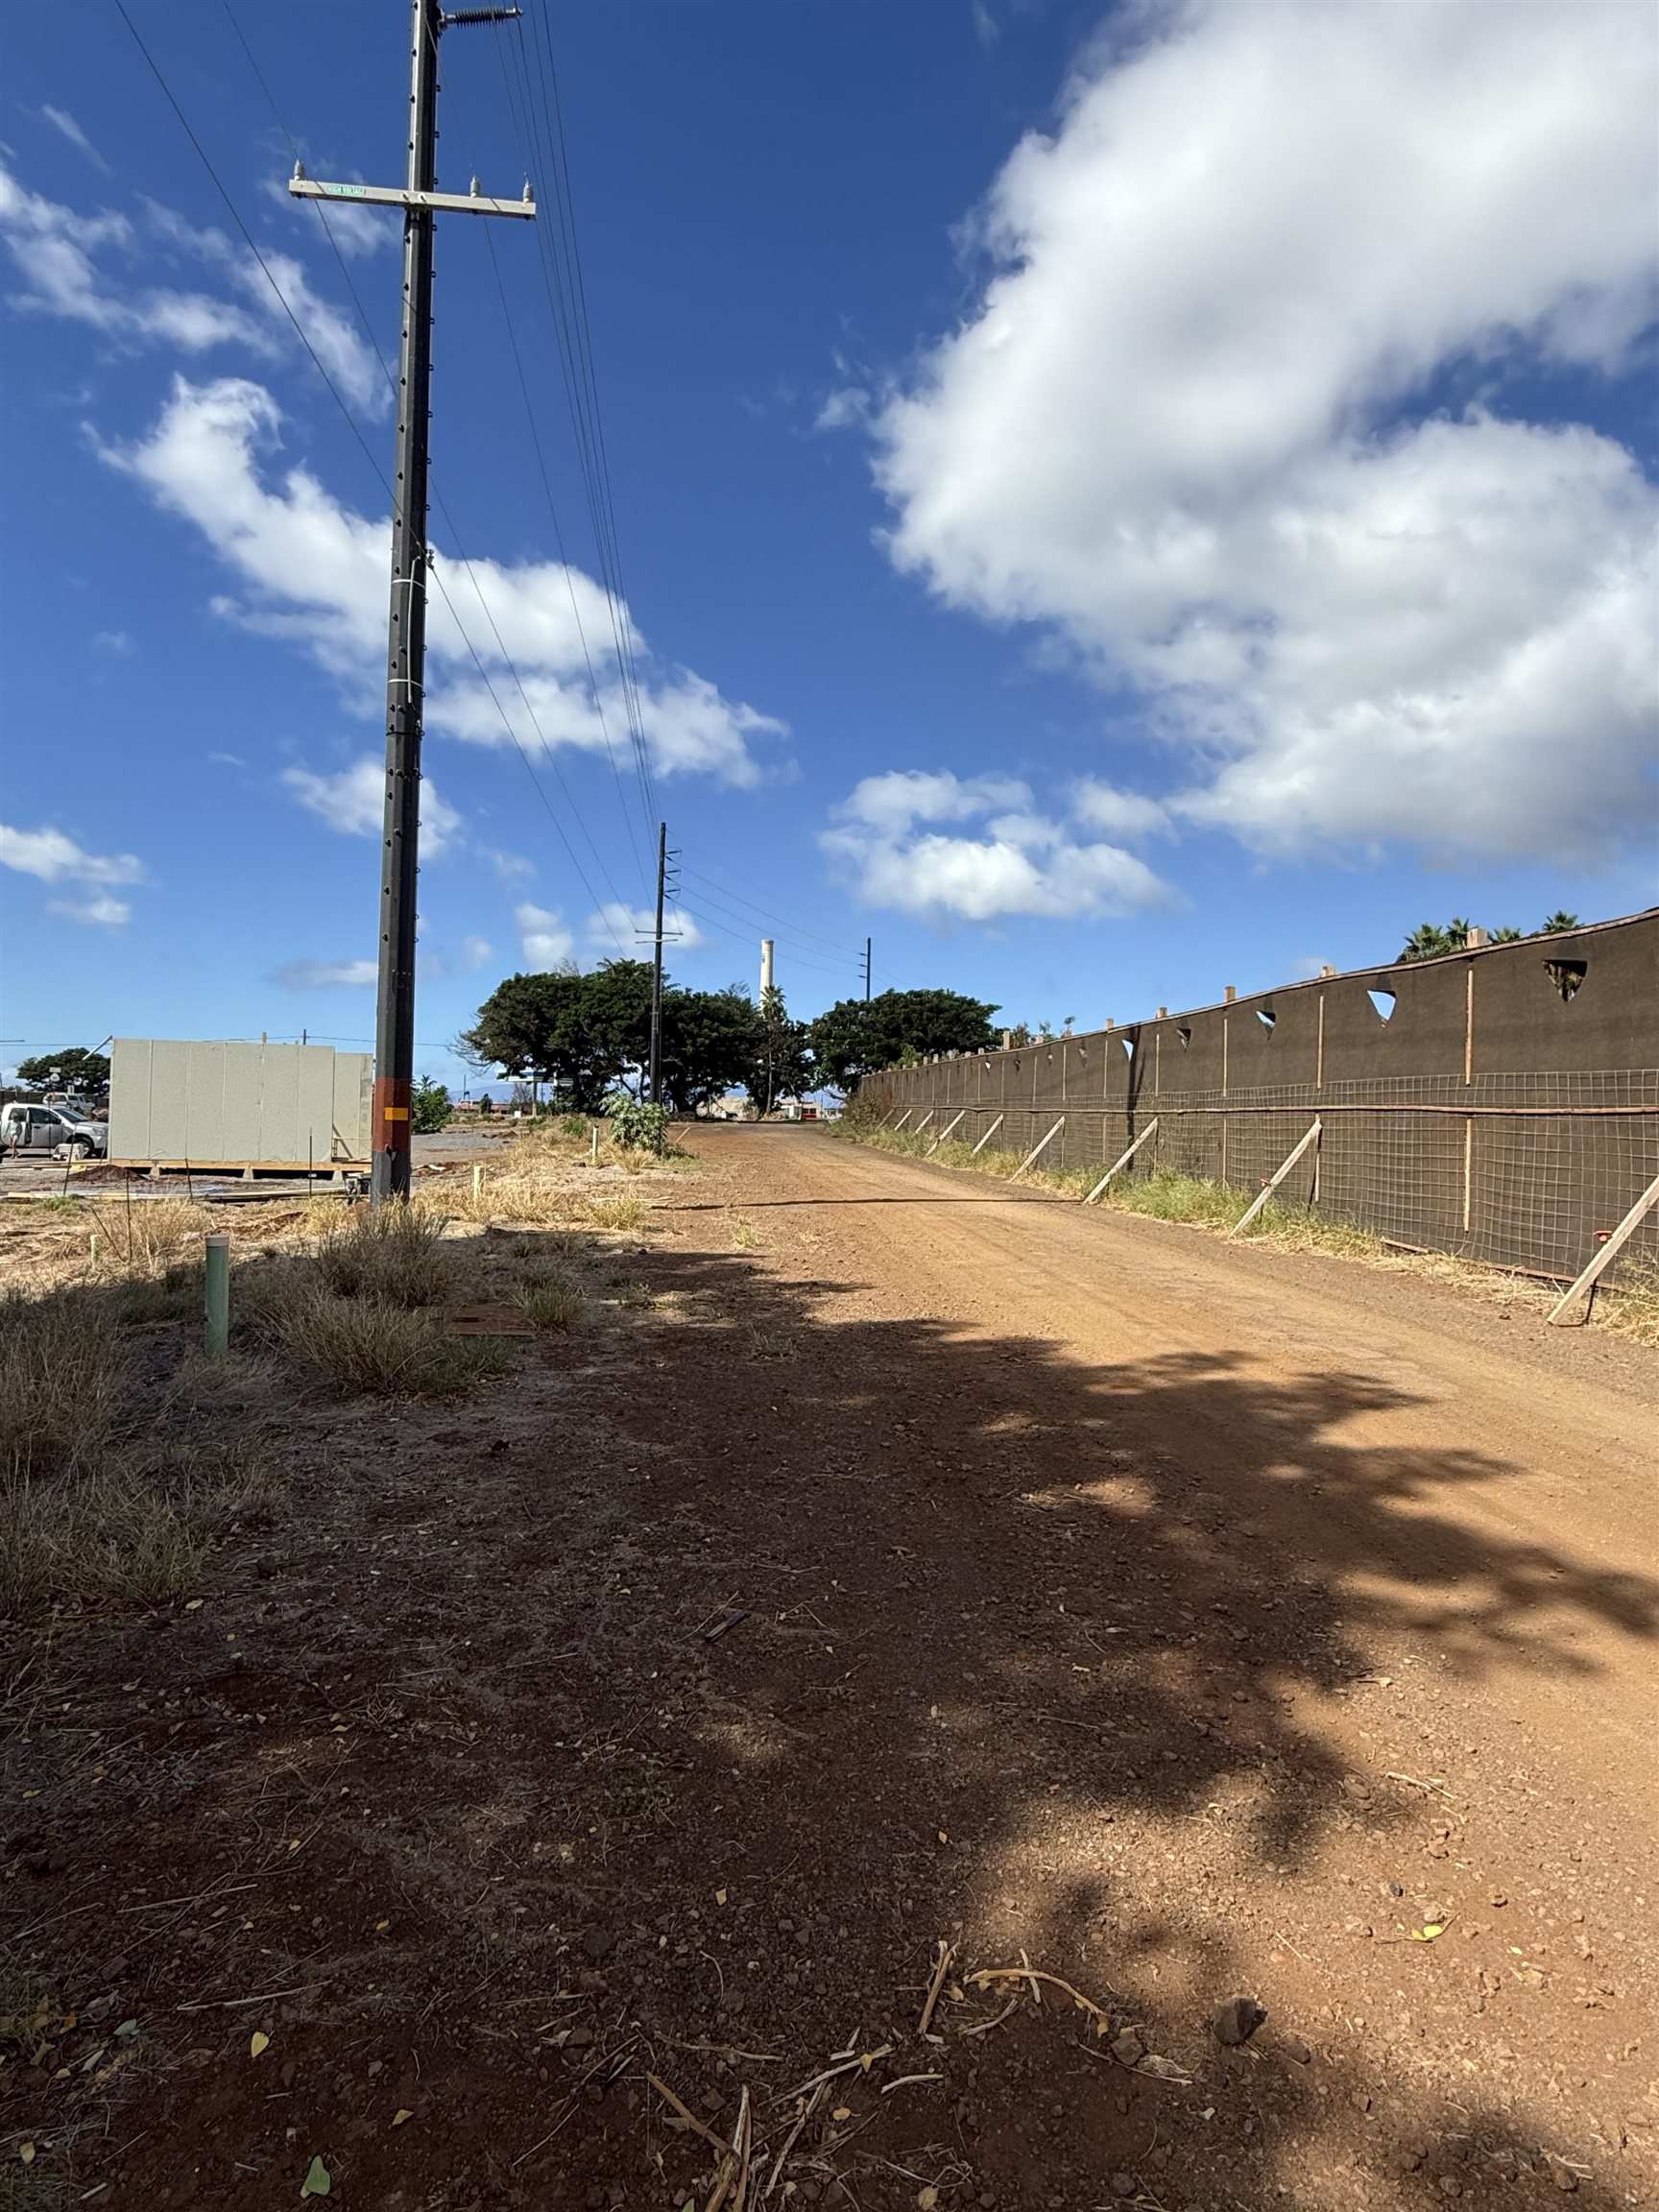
point(1528, 1171)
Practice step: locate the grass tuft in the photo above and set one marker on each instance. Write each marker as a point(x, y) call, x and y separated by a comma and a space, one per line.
point(367, 1345)
point(62, 1376)
point(553, 1302)
point(392, 1254)
point(613, 1209)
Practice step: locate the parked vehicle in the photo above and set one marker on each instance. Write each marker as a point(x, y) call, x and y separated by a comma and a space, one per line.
point(27, 1126)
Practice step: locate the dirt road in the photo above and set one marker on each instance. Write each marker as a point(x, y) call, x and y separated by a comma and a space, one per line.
point(904, 1560)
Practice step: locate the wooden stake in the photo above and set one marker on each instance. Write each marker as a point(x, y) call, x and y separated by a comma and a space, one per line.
point(1615, 1244)
point(1273, 1181)
point(1122, 1161)
point(988, 1133)
point(1036, 1148)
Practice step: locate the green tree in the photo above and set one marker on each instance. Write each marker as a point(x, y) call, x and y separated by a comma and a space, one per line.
point(1556, 923)
point(73, 1069)
point(428, 1107)
point(781, 1064)
point(708, 1042)
point(542, 1027)
point(858, 1036)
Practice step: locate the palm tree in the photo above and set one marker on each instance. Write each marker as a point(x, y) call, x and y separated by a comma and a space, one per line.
point(1554, 925)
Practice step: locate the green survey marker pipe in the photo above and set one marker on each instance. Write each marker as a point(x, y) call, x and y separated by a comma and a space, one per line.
point(218, 1280)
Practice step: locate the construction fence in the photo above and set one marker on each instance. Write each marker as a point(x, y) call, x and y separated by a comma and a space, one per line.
point(1501, 1103)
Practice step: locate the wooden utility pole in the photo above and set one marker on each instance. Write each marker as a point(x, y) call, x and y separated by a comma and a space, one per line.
point(406, 642)
point(655, 1082)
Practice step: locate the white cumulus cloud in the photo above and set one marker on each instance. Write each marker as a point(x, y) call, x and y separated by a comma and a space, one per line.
point(55, 859)
point(95, 908)
point(314, 571)
point(353, 802)
point(1018, 861)
point(543, 939)
point(1196, 421)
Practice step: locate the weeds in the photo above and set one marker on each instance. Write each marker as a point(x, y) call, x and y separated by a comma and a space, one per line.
point(368, 1345)
point(136, 1529)
point(147, 1236)
point(1632, 1300)
point(392, 1255)
point(553, 1302)
point(62, 1375)
point(613, 1210)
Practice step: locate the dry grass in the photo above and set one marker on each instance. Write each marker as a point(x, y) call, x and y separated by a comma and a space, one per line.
point(614, 1210)
point(552, 1301)
point(369, 1345)
point(1630, 1304)
point(393, 1254)
point(135, 1529)
point(87, 1513)
point(145, 1236)
point(63, 1374)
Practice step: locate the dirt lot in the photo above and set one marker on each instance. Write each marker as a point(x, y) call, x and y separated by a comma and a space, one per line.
point(896, 1560)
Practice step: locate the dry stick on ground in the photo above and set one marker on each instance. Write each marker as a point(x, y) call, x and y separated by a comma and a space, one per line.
point(861, 2063)
point(794, 2136)
point(735, 2169)
point(947, 1952)
point(986, 1975)
point(688, 2117)
point(984, 2027)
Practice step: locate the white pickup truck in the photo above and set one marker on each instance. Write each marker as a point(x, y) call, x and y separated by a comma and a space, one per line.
point(61, 1130)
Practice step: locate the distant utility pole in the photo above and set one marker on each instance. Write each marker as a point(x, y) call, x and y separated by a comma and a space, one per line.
point(656, 1071)
point(866, 971)
point(407, 645)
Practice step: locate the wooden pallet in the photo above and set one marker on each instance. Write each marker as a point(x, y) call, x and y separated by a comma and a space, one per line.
point(241, 1166)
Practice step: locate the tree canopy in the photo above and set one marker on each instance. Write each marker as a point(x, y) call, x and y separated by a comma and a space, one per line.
point(583, 1034)
point(859, 1035)
point(1432, 940)
point(73, 1069)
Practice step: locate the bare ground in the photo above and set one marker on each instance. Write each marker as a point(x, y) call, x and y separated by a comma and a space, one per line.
point(1191, 1624)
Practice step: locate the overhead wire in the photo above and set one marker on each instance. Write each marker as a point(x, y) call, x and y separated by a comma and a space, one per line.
point(351, 419)
point(450, 521)
point(538, 125)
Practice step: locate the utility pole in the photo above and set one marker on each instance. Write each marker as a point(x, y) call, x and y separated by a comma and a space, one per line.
point(866, 971)
point(656, 1071)
point(406, 642)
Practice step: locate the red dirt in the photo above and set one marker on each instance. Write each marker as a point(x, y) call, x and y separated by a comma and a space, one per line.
point(1189, 1621)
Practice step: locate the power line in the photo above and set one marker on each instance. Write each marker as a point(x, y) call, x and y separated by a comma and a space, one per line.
point(357, 432)
point(539, 127)
point(774, 914)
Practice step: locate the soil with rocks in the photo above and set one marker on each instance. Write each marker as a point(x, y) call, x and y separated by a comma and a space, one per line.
point(972, 1703)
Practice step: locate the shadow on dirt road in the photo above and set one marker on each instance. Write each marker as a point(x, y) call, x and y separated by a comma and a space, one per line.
point(663, 1708)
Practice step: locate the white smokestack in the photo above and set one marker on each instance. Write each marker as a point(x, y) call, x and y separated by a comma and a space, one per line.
point(766, 965)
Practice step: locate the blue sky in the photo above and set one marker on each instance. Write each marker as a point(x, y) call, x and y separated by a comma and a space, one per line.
point(1110, 503)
